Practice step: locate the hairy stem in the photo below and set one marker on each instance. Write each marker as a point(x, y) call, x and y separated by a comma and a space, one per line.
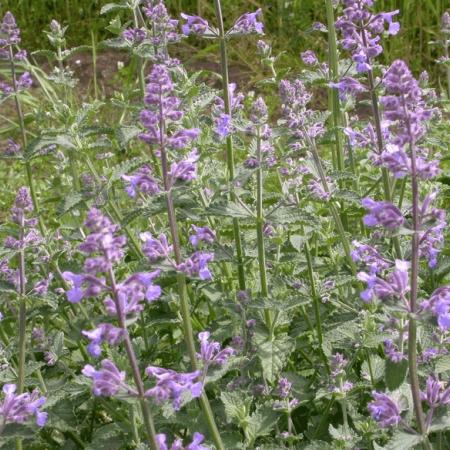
point(260, 232)
point(25, 142)
point(181, 280)
point(229, 141)
point(148, 420)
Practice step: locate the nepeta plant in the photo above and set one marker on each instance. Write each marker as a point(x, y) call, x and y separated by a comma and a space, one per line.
point(200, 265)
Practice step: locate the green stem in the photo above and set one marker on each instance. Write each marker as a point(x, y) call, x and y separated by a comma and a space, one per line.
point(412, 327)
point(229, 141)
point(148, 419)
point(260, 232)
point(25, 142)
point(181, 279)
point(334, 211)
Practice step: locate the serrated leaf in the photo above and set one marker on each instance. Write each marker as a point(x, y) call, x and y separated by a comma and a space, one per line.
point(109, 7)
point(298, 242)
point(290, 215)
point(395, 373)
point(442, 364)
point(261, 423)
point(404, 441)
point(126, 133)
point(230, 210)
point(237, 406)
point(69, 202)
point(273, 353)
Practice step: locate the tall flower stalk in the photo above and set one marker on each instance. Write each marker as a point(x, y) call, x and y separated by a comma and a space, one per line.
point(9, 39)
point(164, 111)
point(229, 140)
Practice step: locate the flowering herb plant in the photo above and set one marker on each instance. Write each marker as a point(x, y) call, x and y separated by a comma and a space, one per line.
point(191, 264)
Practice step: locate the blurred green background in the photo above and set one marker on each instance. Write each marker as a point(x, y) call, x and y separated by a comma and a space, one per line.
point(288, 25)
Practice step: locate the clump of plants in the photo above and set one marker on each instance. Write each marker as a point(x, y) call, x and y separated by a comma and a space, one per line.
point(186, 265)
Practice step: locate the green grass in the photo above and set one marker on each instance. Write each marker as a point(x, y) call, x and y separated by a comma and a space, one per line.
point(288, 24)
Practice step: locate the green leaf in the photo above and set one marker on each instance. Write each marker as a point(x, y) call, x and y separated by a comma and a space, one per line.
point(288, 215)
point(395, 373)
point(298, 242)
point(126, 133)
point(237, 406)
point(112, 7)
point(261, 423)
point(404, 441)
point(442, 364)
point(273, 353)
point(230, 210)
point(69, 202)
point(106, 438)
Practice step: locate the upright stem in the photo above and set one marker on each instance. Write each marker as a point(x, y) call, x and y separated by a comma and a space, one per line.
point(412, 328)
point(334, 70)
point(148, 420)
point(260, 232)
point(181, 280)
point(22, 321)
point(229, 141)
point(333, 208)
point(25, 142)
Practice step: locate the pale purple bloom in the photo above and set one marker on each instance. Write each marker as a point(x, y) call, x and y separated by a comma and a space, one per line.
point(212, 352)
point(171, 385)
point(369, 256)
point(82, 286)
point(309, 58)
point(105, 332)
point(361, 30)
point(439, 305)
point(196, 265)
point(155, 248)
point(186, 169)
point(134, 35)
point(223, 125)
point(9, 31)
point(41, 287)
point(248, 23)
point(397, 284)
point(382, 213)
point(197, 440)
point(392, 352)
point(284, 387)
point(202, 234)
point(194, 25)
point(317, 190)
point(12, 148)
point(384, 410)
point(435, 395)
point(25, 81)
point(108, 380)
point(164, 27)
point(18, 408)
point(348, 86)
point(141, 181)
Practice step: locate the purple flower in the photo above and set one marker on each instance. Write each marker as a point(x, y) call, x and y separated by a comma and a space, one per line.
point(18, 408)
point(392, 352)
point(384, 410)
point(134, 35)
point(185, 170)
point(369, 256)
point(141, 181)
point(284, 387)
point(9, 31)
point(397, 284)
point(317, 190)
point(194, 25)
point(223, 125)
point(171, 385)
point(361, 31)
point(197, 265)
point(404, 105)
point(108, 380)
point(202, 234)
point(348, 86)
point(212, 352)
point(105, 332)
point(25, 81)
point(163, 26)
point(439, 305)
point(309, 58)
point(82, 286)
point(435, 395)
point(382, 213)
point(155, 249)
point(198, 438)
point(248, 24)
point(12, 148)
